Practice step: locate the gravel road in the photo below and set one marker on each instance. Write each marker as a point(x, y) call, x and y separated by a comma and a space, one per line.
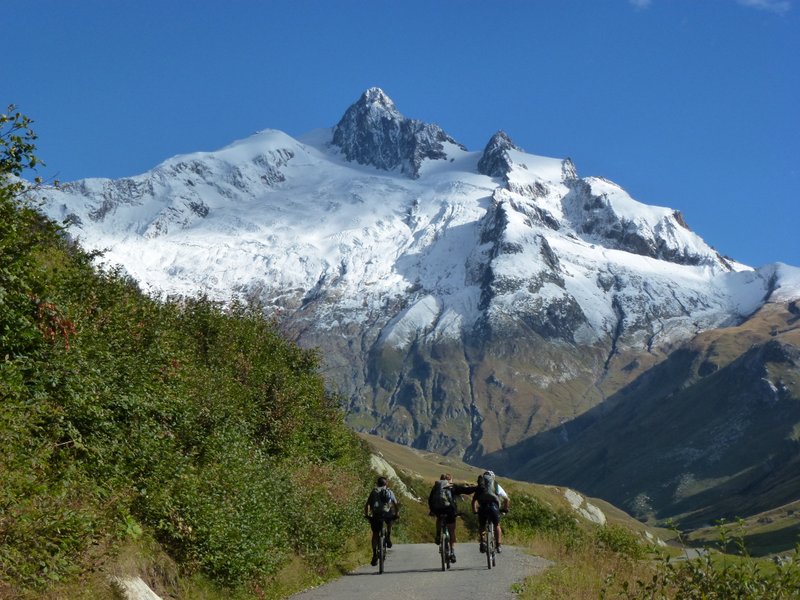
point(413, 572)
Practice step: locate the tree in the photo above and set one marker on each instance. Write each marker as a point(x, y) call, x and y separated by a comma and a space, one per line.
point(16, 150)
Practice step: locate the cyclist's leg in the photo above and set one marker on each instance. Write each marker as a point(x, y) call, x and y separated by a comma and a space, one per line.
point(374, 533)
point(375, 524)
point(451, 526)
point(482, 527)
point(498, 532)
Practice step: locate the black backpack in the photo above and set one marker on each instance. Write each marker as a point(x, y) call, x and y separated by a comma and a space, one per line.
point(442, 495)
point(380, 501)
point(487, 488)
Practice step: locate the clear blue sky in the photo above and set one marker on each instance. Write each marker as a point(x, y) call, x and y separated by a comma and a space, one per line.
point(691, 104)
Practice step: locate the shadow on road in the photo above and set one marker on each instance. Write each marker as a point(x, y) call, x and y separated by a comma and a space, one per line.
point(389, 571)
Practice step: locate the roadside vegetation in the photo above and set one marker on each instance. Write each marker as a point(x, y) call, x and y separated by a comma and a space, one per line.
point(176, 438)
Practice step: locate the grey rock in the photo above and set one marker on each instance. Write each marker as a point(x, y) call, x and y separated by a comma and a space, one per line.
point(373, 132)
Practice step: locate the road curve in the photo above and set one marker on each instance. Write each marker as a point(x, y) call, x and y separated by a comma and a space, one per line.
point(413, 572)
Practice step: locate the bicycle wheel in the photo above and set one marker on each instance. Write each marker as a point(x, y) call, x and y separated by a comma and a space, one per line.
point(442, 548)
point(447, 549)
point(382, 548)
point(489, 544)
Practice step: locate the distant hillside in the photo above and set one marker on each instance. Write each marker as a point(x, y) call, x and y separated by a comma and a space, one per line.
point(712, 432)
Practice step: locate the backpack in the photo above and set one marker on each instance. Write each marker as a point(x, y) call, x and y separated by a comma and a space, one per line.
point(380, 501)
point(441, 495)
point(487, 488)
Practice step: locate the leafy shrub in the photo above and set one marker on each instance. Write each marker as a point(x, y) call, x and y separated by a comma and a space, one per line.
point(620, 540)
point(529, 515)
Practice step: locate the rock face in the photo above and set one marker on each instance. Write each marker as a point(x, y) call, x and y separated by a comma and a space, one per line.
point(495, 160)
point(373, 132)
point(463, 302)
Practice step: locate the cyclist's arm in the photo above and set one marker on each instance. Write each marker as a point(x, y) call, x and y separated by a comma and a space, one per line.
point(464, 489)
point(506, 501)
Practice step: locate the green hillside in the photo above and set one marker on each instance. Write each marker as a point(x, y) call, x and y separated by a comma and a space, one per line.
point(176, 438)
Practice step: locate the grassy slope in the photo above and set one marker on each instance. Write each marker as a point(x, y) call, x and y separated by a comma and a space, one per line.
point(427, 466)
point(768, 533)
point(174, 432)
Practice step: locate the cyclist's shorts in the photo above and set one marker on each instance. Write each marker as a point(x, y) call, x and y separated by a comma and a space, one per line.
point(449, 515)
point(488, 512)
point(376, 521)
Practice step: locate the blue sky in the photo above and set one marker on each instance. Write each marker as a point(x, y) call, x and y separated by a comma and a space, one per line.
point(691, 104)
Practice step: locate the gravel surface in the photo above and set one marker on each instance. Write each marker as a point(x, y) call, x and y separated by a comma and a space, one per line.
point(413, 572)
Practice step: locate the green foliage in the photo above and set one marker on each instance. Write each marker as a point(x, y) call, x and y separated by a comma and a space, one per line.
point(713, 576)
point(121, 416)
point(529, 515)
point(620, 540)
point(16, 146)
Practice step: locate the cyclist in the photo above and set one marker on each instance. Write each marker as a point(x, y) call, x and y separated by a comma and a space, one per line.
point(442, 501)
point(489, 501)
point(381, 506)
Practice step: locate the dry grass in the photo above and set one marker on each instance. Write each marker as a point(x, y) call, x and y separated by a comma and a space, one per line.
point(579, 570)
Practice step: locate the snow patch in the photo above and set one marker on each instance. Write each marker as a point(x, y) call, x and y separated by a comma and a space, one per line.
point(787, 284)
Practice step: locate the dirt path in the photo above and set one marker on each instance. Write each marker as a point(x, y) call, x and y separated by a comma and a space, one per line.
point(413, 572)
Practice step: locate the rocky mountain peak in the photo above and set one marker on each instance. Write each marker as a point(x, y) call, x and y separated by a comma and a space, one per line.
point(375, 97)
point(495, 161)
point(373, 132)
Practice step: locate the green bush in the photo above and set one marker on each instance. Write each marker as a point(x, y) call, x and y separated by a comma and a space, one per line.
point(620, 540)
point(529, 515)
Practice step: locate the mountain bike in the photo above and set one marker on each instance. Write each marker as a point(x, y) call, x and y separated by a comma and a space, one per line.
point(382, 536)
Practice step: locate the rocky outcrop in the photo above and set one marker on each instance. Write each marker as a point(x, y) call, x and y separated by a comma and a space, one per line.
point(495, 161)
point(373, 132)
point(593, 215)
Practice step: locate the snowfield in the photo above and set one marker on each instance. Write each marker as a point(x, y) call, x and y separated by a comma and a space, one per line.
point(296, 222)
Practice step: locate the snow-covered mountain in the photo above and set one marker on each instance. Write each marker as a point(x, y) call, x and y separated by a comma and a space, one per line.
point(462, 300)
